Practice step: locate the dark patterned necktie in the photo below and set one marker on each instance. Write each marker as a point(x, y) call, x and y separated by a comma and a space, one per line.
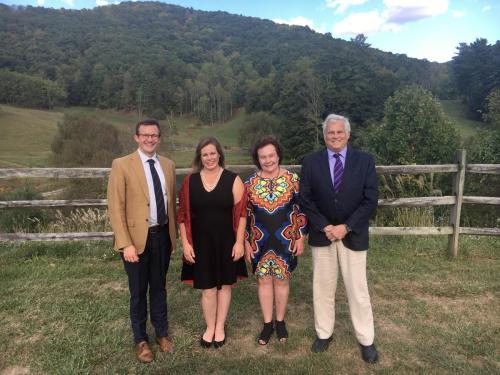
point(161, 215)
point(338, 171)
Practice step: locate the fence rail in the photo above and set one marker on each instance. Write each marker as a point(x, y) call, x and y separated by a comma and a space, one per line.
point(459, 169)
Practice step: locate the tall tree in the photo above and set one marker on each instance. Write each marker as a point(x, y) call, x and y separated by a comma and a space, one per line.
point(476, 68)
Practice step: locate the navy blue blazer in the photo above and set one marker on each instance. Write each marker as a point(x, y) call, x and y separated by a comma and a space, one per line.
point(354, 204)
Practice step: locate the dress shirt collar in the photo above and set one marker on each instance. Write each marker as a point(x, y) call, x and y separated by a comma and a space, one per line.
point(145, 158)
point(342, 153)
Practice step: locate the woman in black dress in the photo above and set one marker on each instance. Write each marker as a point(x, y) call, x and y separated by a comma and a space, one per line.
point(212, 220)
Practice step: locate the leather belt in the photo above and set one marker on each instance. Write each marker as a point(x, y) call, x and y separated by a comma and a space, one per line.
point(156, 228)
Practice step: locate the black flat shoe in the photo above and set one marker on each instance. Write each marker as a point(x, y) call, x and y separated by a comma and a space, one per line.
point(219, 344)
point(281, 330)
point(320, 345)
point(265, 334)
point(369, 353)
point(205, 344)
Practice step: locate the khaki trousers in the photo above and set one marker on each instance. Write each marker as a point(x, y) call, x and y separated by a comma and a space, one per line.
point(326, 261)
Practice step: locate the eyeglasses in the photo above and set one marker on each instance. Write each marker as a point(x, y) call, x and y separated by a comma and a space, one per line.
point(152, 136)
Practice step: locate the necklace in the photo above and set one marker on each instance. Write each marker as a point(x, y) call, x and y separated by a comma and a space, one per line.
point(209, 187)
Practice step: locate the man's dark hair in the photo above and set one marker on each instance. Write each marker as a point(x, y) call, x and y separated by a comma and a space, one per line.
point(263, 142)
point(147, 122)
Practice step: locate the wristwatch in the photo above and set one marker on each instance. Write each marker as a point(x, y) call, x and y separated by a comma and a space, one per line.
point(347, 228)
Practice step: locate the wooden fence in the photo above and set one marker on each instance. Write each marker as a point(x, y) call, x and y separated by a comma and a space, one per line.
point(453, 230)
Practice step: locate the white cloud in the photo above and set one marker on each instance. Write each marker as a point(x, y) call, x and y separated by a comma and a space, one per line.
point(458, 14)
point(403, 11)
point(297, 21)
point(342, 5)
point(302, 21)
point(101, 3)
point(71, 3)
point(40, 2)
point(364, 23)
point(486, 8)
point(395, 14)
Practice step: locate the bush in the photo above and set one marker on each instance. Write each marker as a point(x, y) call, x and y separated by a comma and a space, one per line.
point(84, 141)
point(158, 114)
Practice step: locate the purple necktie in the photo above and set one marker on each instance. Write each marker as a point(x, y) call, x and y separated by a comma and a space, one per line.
point(161, 214)
point(338, 171)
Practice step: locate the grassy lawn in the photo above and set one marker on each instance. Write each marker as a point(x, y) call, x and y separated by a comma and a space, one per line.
point(456, 111)
point(26, 136)
point(64, 309)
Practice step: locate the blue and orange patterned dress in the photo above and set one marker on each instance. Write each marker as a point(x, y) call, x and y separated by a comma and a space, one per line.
point(274, 223)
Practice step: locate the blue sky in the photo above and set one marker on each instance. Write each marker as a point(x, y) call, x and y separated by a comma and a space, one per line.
point(430, 29)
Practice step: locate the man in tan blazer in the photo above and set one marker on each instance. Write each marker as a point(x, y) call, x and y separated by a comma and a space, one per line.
point(141, 208)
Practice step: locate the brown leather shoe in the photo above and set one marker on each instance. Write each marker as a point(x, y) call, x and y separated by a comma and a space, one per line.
point(165, 345)
point(144, 353)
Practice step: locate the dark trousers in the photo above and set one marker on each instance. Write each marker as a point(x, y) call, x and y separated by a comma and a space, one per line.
point(150, 271)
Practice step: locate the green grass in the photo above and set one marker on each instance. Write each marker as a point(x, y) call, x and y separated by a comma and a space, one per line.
point(26, 136)
point(64, 309)
point(456, 111)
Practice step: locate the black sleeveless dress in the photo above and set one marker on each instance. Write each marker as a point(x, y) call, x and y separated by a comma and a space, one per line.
point(213, 235)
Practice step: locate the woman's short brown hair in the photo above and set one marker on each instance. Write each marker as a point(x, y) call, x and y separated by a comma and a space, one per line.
point(197, 164)
point(263, 142)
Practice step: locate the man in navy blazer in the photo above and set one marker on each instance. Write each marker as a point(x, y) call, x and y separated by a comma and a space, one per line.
point(339, 194)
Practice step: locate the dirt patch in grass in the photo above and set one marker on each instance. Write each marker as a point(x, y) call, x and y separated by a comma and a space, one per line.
point(392, 329)
point(118, 286)
point(15, 370)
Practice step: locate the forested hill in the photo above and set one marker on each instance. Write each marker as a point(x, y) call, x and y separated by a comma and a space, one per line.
point(154, 56)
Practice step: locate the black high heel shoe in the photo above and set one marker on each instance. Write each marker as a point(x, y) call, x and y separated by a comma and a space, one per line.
point(205, 344)
point(265, 334)
point(281, 331)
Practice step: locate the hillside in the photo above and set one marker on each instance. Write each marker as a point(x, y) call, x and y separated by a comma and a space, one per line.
point(150, 56)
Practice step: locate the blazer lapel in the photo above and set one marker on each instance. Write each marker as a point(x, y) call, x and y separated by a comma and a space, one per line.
point(325, 169)
point(348, 169)
point(139, 172)
point(168, 181)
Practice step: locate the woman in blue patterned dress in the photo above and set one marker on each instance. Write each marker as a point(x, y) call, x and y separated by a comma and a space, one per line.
point(275, 233)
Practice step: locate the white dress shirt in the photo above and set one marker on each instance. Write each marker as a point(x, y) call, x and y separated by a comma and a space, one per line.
point(153, 220)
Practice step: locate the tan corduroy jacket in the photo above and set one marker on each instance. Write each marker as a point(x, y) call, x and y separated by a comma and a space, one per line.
point(128, 201)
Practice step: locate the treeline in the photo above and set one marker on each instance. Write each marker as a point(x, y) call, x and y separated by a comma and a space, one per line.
point(476, 70)
point(149, 56)
point(29, 91)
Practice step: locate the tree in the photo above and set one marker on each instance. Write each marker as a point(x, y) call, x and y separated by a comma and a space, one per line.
point(360, 40)
point(29, 91)
point(414, 130)
point(476, 69)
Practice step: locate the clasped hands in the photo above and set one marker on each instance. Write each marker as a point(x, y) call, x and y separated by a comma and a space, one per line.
point(335, 232)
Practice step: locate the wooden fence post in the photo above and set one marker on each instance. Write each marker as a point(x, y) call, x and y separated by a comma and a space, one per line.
point(458, 191)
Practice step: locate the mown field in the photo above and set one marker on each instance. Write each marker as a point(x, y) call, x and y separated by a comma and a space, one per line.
point(64, 310)
point(456, 111)
point(27, 135)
